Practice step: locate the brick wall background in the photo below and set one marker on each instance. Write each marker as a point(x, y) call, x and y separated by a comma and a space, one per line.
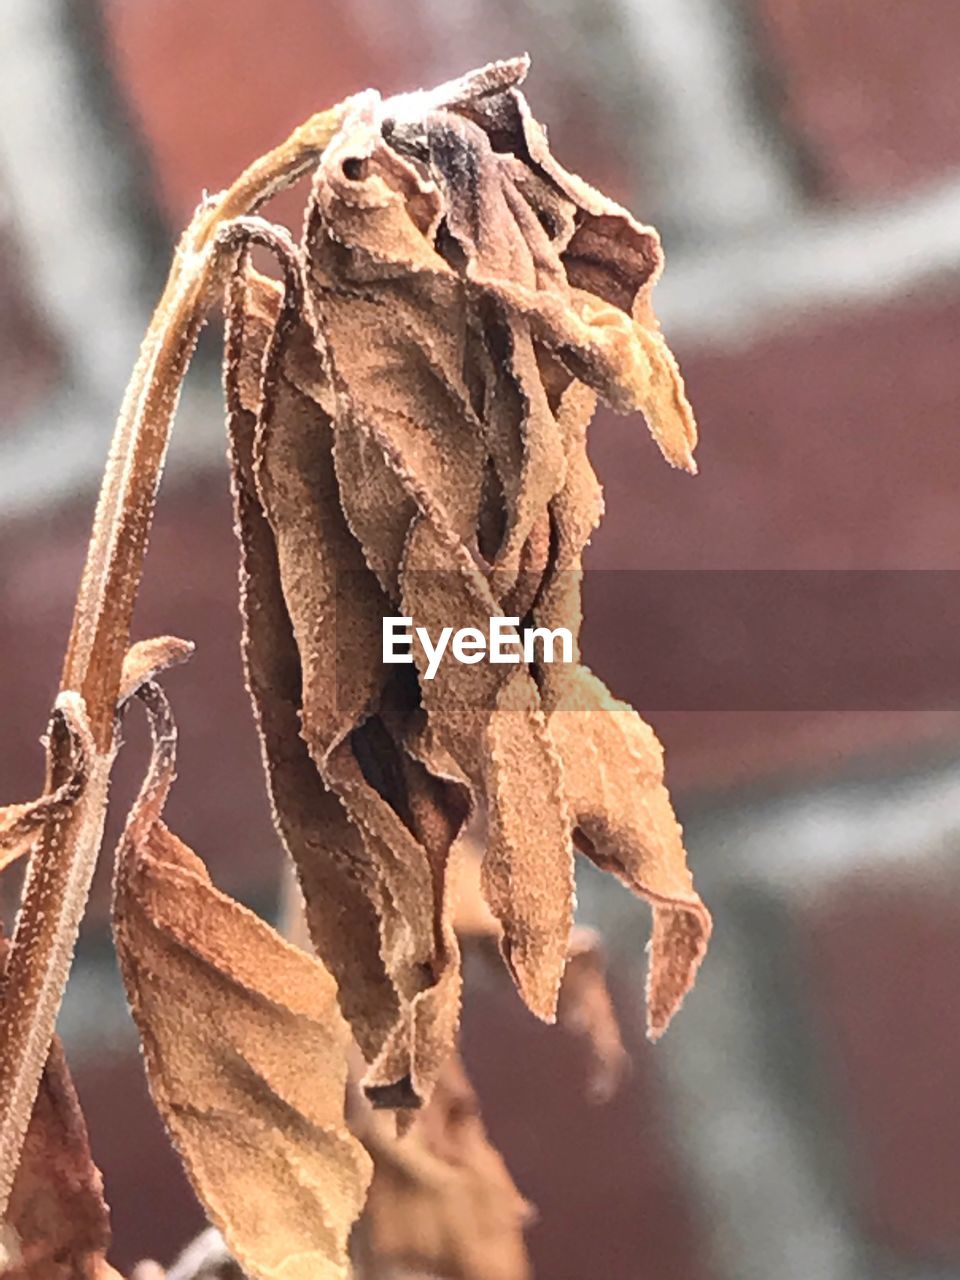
point(801, 1120)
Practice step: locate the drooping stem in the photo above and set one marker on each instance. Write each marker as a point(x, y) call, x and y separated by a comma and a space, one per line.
point(61, 868)
point(111, 576)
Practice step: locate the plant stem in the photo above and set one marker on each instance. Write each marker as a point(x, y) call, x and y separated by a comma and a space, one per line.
point(58, 882)
point(111, 575)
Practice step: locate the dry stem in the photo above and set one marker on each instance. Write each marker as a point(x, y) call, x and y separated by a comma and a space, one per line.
point(62, 866)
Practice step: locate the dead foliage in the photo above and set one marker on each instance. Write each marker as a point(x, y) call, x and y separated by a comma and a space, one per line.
point(407, 413)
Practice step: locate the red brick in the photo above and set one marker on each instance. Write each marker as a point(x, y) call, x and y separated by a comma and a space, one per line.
point(827, 443)
point(870, 88)
point(884, 954)
point(214, 87)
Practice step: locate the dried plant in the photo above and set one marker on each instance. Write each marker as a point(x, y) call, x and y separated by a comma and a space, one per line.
point(407, 411)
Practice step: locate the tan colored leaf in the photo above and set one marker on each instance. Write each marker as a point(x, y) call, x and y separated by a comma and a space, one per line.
point(613, 772)
point(586, 1009)
point(409, 415)
point(311, 585)
point(244, 1045)
point(489, 718)
point(56, 1208)
point(410, 205)
point(612, 761)
point(442, 1201)
point(146, 659)
point(336, 874)
point(584, 1006)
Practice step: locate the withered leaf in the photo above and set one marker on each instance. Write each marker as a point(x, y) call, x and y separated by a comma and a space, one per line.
point(408, 416)
point(337, 876)
point(586, 1009)
point(489, 718)
point(57, 1213)
point(442, 1202)
point(244, 1045)
point(613, 769)
point(584, 1006)
point(612, 761)
point(377, 884)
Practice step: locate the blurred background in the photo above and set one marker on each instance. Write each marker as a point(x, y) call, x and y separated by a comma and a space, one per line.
point(801, 1121)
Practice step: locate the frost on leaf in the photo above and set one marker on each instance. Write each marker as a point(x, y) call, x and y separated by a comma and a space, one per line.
point(407, 413)
point(244, 1045)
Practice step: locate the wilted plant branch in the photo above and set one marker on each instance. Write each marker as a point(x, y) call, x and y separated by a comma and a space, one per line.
point(101, 621)
point(407, 410)
point(62, 865)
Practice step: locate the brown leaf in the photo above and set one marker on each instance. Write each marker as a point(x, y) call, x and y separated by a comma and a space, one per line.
point(584, 1006)
point(442, 1201)
point(560, 281)
point(56, 1208)
point(146, 659)
point(409, 416)
point(586, 1009)
point(489, 718)
point(336, 874)
point(244, 1046)
point(328, 603)
point(612, 761)
point(613, 772)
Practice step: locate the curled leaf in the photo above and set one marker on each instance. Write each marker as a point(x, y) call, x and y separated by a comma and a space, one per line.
point(336, 874)
point(584, 1006)
point(613, 768)
point(244, 1046)
point(408, 414)
point(147, 659)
